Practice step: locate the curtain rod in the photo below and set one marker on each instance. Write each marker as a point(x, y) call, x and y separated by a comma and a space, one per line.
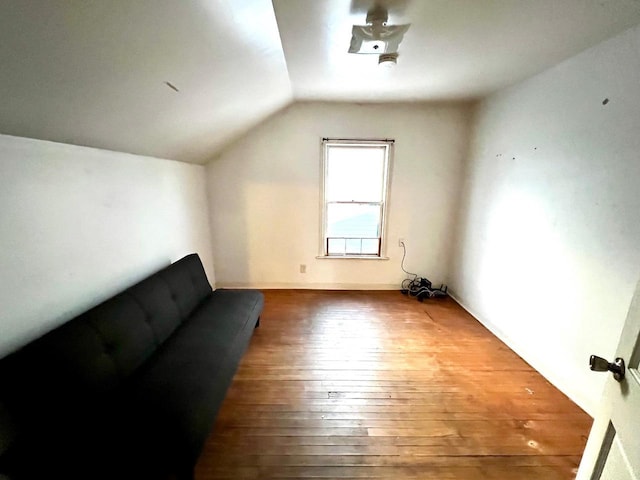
point(389, 140)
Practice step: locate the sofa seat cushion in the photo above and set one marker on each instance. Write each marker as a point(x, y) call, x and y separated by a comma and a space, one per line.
point(176, 397)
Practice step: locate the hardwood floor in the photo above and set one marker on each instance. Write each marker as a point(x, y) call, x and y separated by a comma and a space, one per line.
point(378, 385)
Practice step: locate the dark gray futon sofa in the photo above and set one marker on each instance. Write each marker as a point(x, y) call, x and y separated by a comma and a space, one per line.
point(129, 389)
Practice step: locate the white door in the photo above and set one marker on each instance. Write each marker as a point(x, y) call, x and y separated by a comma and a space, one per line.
point(613, 448)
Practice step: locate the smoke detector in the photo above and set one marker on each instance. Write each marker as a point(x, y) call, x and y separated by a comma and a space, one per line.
point(377, 36)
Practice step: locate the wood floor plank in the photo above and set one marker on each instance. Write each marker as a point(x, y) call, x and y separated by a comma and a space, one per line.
point(377, 385)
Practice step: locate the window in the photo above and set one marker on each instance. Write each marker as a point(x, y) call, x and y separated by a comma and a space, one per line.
point(355, 184)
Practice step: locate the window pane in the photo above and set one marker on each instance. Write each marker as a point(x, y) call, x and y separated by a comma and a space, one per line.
point(370, 246)
point(336, 246)
point(355, 173)
point(350, 220)
point(353, 246)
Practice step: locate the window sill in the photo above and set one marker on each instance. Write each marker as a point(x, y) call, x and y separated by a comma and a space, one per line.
point(349, 257)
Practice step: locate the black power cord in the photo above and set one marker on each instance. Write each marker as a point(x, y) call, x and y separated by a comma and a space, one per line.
point(419, 287)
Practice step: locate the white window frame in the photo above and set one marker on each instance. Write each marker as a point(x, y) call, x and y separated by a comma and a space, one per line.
point(325, 145)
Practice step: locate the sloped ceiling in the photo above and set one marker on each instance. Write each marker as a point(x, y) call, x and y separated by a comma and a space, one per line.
point(93, 72)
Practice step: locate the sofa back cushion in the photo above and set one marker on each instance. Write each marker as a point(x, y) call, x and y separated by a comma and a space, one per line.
point(187, 283)
point(95, 353)
point(161, 312)
point(70, 378)
point(84, 358)
point(7, 432)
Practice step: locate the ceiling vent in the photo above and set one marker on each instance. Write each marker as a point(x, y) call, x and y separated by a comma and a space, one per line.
point(377, 37)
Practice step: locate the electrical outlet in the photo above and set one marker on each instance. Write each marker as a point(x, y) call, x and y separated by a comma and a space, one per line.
point(401, 242)
point(303, 268)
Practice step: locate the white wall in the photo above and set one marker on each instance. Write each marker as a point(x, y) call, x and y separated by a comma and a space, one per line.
point(548, 243)
point(78, 225)
point(265, 199)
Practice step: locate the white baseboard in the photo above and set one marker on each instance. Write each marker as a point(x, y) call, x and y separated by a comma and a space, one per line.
point(309, 286)
point(525, 354)
point(487, 324)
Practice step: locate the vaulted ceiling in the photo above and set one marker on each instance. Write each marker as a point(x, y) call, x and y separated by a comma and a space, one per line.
point(181, 79)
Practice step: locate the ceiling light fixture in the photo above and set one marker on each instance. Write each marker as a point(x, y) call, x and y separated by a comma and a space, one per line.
point(377, 37)
point(388, 60)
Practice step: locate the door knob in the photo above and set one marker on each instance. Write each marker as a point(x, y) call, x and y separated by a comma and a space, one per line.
point(599, 364)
